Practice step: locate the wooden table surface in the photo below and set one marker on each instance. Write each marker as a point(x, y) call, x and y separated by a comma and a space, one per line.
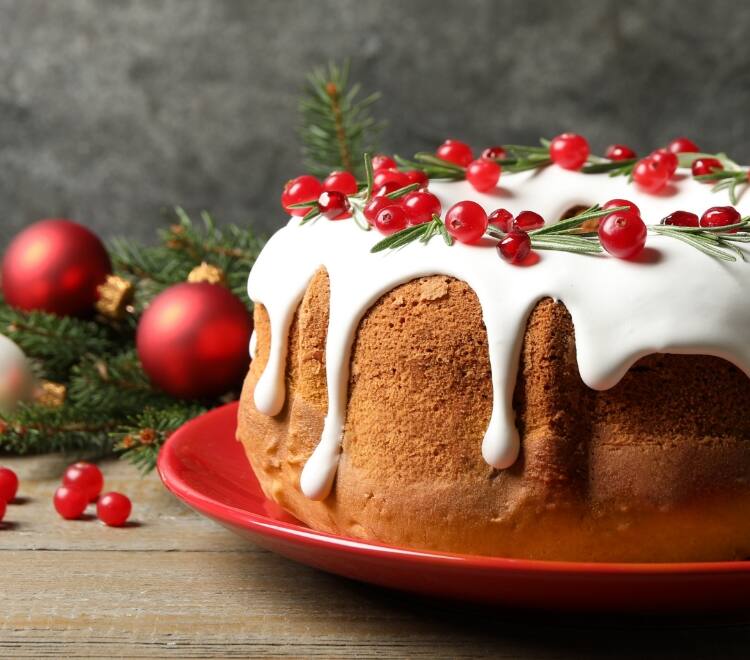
point(174, 584)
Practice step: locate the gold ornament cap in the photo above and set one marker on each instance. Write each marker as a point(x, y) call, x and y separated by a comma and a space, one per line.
point(115, 296)
point(49, 394)
point(207, 273)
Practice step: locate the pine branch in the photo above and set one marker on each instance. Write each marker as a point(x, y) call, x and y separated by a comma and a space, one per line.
point(336, 124)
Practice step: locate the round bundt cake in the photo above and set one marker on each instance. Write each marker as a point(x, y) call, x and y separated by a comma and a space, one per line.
point(571, 407)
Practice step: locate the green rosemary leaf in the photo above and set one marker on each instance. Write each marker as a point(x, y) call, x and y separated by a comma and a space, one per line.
point(564, 243)
point(368, 175)
point(403, 191)
point(614, 167)
point(314, 212)
point(401, 238)
point(744, 223)
point(705, 241)
point(565, 226)
point(443, 231)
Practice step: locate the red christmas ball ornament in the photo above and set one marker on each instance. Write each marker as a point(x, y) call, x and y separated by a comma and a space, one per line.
point(54, 266)
point(193, 340)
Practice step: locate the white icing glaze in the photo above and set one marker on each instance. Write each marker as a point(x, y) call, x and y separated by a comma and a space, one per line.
point(674, 299)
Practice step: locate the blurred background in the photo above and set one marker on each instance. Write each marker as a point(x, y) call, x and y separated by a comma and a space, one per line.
point(111, 111)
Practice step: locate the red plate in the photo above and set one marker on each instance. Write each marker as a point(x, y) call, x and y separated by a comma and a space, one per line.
point(205, 466)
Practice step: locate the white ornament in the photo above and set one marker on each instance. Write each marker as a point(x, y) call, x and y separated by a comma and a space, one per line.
point(15, 374)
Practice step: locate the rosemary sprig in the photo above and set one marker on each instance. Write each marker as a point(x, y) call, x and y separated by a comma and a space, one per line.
point(422, 233)
point(728, 180)
point(572, 226)
point(611, 167)
point(717, 242)
point(433, 167)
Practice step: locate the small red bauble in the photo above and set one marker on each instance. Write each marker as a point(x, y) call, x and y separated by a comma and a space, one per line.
point(622, 234)
point(667, 159)
point(651, 175)
point(192, 340)
point(343, 182)
point(514, 247)
point(69, 502)
point(113, 509)
point(381, 161)
point(494, 153)
point(569, 151)
point(720, 216)
point(421, 206)
point(86, 477)
point(682, 145)
point(54, 266)
point(681, 219)
point(390, 176)
point(8, 485)
point(704, 166)
point(305, 188)
point(619, 152)
point(455, 152)
point(417, 176)
point(483, 174)
point(502, 219)
point(391, 219)
point(333, 205)
point(614, 203)
point(528, 220)
point(466, 222)
point(376, 205)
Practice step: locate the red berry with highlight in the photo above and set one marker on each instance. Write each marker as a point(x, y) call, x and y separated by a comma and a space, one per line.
point(651, 175)
point(515, 247)
point(681, 219)
point(569, 151)
point(390, 177)
point(466, 222)
point(667, 159)
point(528, 221)
point(622, 234)
point(391, 219)
point(614, 203)
point(305, 188)
point(502, 219)
point(494, 153)
point(682, 145)
point(69, 502)
point(417, 176)
point(8, 485)
point(420, 207)
point(619, 152)
point(455, 152)
point(113, 509)
point(483, 174)
point(705, 166)
point(86, 477)
point(343, 182)
point(333, 205)
point(720, 216)
point(381, 162)
point(376, 205)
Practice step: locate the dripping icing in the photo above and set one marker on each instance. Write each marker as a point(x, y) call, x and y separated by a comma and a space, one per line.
point(621, 310)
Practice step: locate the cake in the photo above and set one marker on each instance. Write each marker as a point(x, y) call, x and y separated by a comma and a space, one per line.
point(568, 407)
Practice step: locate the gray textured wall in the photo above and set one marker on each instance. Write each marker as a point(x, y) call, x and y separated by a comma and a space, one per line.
point(110, 111)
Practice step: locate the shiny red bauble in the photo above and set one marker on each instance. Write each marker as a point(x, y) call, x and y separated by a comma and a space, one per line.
point(514, 247)
point(420, 207)
point(69, 502)
point(8, 485)
point(113, 509)
point(341, 181)
point(86, 477)
point(54, 266)
point(705, 166)
point(483, 174)
point(305, 188)
point(651, 175)
point(193, 340)
point(466, 222)
point(569, 150)
point(619, 152)
point(681, 219)
point(682, 145)
point(622, 234)
point(456, 152)
point(391, 219)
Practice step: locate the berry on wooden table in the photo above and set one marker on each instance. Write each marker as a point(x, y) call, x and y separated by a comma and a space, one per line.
point(528, 221)
point(391, 220)
point(619, 152)
point(502, 219)
point(333, 205)
point(113, 509)
point(69, 502)
point(614, 203)
point(514, 247)
point(682, 145)
point(305, 188)
point(466, 221)
point(651, 175)
point(720, 216)
point(483, 174)
point(420, 207)
point(494, 153)
point(456, 152)
point(704, 166)
point(8, 485)
point(569, 150)
point(341, 181)
point(622, 234)
point(381, 161)
point(681, 219)
point(86, 477)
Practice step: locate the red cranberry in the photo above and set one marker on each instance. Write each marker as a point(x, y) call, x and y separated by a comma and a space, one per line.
point(69, 502)
point(622, 234)
point(343, 182)
point(86, 477)
point(466, 222)
point(113, 509)
point(333, 205)
point(681, 219)
point(483, 174)
point(389, 176)
point(502, 219)
point(569, 151)
point(619, 152)
point(376, 205)
point(455, 152)
point(720, 216)
point(416, 176)
point(667, 158)
point(704, 166)
point(614, 203)
point(305, 188)
point(386, 189)
point(682, 145)
point(8, 484)
point(421, 206)
point(514, 247)
point(382, 162)
point(528, 220)
point(494, 153)
point(651, 175)
point(391, 220)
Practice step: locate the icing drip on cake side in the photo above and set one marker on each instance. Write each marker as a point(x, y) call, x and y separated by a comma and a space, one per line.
point(674, 299)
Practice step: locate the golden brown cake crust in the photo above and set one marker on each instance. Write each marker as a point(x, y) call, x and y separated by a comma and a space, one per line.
point(654, 469)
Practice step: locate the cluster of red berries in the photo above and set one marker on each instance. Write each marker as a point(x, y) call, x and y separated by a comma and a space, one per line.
point(482, 173)
point(8, 489)
point(716, 216)
point(82, 483)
